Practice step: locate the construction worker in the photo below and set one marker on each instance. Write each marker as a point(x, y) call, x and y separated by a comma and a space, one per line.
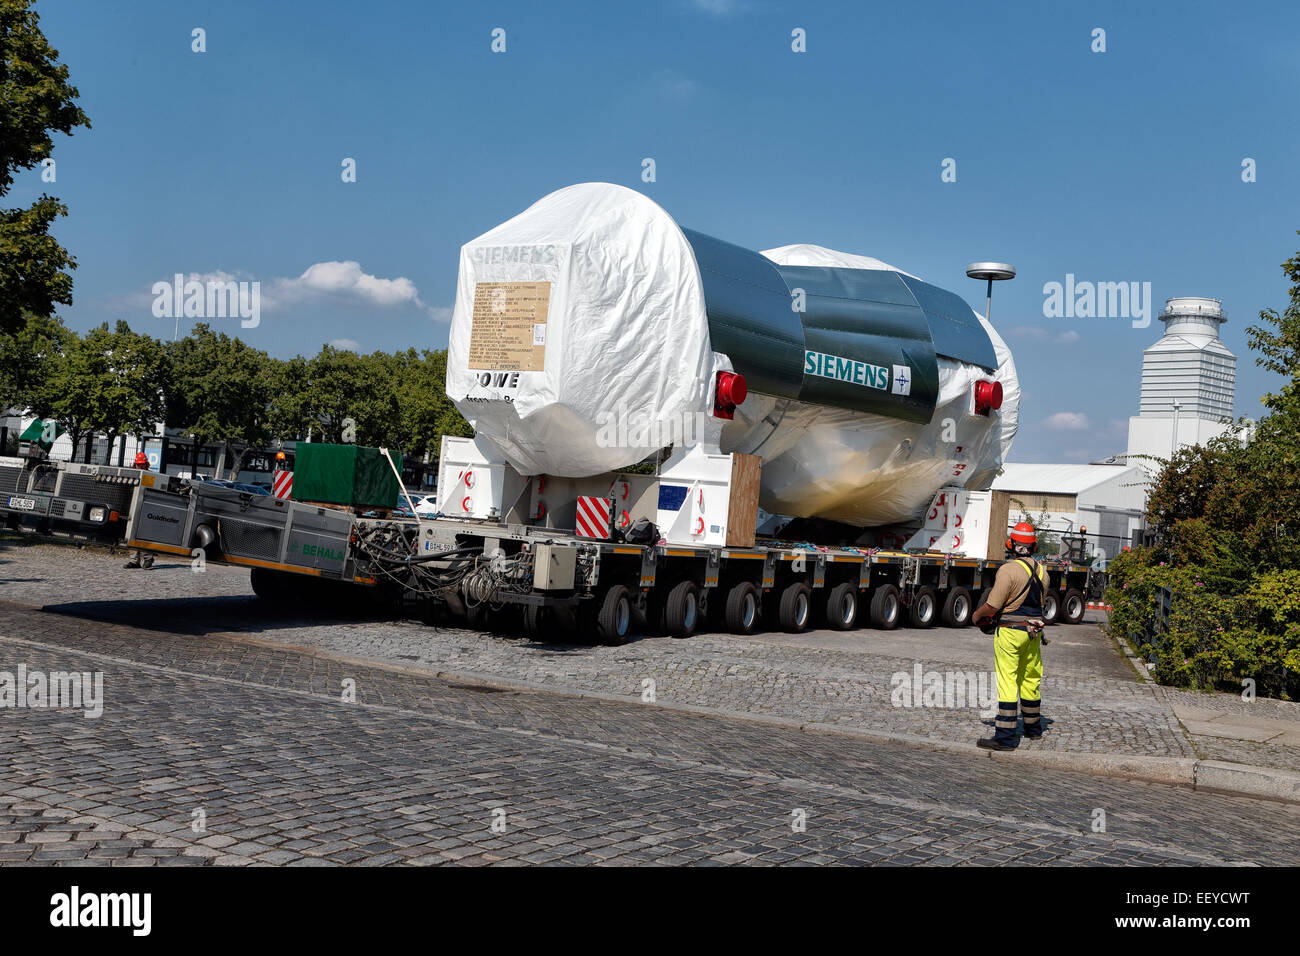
point(138, 558)
point(1012, 613)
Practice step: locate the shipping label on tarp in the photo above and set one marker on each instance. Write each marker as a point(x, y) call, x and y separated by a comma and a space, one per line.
point(509, 326)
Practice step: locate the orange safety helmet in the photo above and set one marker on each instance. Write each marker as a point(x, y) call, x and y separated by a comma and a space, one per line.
point(1022, 533)
point(140, 460)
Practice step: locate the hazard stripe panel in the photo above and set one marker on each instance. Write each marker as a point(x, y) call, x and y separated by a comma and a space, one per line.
point(593, 517)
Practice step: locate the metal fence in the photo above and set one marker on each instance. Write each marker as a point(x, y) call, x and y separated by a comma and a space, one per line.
point(1149, 640)
point(1094, 550)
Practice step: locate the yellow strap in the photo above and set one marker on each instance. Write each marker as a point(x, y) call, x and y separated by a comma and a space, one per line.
point(1036, 571)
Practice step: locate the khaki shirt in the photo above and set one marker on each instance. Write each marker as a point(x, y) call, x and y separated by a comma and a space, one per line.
point(1010, 581)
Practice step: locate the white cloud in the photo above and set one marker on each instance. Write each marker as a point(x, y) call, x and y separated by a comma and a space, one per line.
point(344, 280)
point(1068, 338)
point(348, 345)
point(1071, 421)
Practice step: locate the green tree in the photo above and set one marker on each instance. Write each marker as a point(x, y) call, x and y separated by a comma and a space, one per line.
point(426, 412)
point(127, 393)
point(28, 360)
point(72, 393)
point(35, 100)
point(109, 382)
point(289, 412)
point(218, 387)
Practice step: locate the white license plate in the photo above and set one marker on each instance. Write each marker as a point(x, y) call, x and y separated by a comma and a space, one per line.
point(22, 504)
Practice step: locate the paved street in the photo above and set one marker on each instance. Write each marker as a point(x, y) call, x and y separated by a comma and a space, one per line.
point(246, 731)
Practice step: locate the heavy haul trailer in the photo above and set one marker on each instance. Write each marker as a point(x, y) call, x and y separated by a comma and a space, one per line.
point(66, 499)
point(552, 583)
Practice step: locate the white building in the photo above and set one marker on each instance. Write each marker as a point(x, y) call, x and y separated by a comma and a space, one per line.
point(1108, 500)
point(1188, 382)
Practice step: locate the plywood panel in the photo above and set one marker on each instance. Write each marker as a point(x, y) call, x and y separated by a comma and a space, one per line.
point(999, 513)
point(742, 513)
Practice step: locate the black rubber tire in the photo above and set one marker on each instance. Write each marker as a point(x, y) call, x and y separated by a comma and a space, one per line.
point(1051, 606)
point(923, 611)
point(743, 613)
point(796, 608)
point(682, 609)
point(841, 610)
point(958, 606)
point(614, 620)
point(1073, 606)
point(273, 586)
point(886, 607)
point(542, 623)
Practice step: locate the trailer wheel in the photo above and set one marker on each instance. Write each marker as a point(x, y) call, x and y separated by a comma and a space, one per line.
point(273, 586)
point(886, 607)
point(957, 608)
point(796, 607)
point(742, 609)
point(924, 608)
point(1051, 606)
point(842, 606)
point(614, 622)
point(682, 610)
point(1072, 607)
point(546, 623)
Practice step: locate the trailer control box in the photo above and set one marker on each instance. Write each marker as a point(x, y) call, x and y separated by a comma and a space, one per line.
point(553, 567)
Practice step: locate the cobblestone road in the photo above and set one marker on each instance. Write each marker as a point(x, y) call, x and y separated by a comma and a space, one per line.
point(1092, 700)
point(257, 739)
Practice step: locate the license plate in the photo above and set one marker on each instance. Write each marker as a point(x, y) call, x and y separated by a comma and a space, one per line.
point(22, 504)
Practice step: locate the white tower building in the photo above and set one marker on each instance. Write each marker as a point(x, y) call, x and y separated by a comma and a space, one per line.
point(1188, 382)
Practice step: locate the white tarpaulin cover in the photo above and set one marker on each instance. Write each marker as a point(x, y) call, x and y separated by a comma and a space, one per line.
point(622, 358)
point(580, 344)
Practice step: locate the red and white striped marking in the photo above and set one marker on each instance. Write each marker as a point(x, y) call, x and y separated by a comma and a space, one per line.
point(1093, 606)
point(282, 484)
point(593, 517)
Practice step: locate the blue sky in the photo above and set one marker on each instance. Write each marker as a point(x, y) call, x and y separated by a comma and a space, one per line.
point(1115, 166)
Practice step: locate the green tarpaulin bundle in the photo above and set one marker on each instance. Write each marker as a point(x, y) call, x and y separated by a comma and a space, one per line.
point(345, 475)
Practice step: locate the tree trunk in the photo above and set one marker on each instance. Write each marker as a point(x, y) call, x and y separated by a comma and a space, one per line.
point(237, 464)
point(74, 436)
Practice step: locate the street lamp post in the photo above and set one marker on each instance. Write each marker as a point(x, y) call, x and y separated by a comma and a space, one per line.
point(990, 271)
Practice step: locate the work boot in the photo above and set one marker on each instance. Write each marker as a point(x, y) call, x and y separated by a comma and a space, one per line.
point(146, 562)
point(993, 743)
point(133, 563)
point(1029, 709)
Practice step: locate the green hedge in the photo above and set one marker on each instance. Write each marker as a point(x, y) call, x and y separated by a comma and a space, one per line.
point(1211, 640)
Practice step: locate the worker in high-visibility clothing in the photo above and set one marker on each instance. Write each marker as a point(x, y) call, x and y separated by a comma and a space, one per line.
point(1012, 613)
point(138, 558)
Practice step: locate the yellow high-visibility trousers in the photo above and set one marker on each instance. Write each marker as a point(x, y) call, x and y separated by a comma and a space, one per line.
point(1018, 660)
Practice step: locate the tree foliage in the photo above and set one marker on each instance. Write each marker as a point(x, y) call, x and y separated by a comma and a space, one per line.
point(35, 101)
